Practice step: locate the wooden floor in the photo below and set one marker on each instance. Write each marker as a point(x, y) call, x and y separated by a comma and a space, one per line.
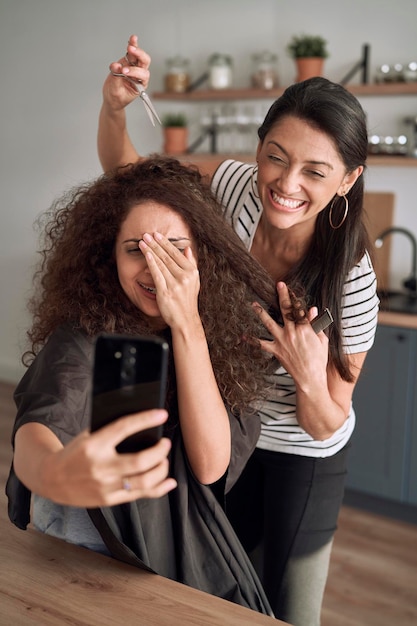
point(373, 571)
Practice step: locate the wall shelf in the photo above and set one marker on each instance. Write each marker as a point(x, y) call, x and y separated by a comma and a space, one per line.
point(201, 95)
point(383, 89)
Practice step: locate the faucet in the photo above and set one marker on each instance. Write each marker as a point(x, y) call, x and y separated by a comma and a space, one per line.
point(411, 282)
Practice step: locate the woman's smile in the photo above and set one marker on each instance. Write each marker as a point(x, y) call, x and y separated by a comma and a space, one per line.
point(285, 203)
point(149, 290)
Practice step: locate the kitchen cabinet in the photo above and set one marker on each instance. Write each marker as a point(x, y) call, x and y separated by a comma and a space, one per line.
point(411, 467)
point(383, 456)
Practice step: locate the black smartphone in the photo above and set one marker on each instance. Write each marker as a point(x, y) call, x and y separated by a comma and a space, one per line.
point(129, 375)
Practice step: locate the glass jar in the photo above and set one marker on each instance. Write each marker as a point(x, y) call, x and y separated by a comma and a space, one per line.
point(177, 78)
point(410, 72)
point(390, 73)
point(265, 75)
point(220, 71)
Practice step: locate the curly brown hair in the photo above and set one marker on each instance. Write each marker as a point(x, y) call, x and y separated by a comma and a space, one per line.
point(77, 283)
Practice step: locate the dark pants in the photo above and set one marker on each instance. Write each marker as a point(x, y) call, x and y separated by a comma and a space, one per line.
point(284, 509)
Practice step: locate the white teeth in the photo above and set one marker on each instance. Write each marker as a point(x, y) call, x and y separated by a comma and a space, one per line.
point(150, 289)
point(290, 204)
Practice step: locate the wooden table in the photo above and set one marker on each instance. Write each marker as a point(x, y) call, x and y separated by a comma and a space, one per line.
point(46, 581)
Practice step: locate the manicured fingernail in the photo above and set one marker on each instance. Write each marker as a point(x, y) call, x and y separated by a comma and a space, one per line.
point(158, 236)
point(147, 237)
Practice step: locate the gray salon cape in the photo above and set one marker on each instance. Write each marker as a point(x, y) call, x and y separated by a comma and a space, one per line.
point(184, 535)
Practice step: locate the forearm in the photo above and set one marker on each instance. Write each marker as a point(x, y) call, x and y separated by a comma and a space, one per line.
point(33, 444)
point(113, 142)
point(318, 414)
point(203, 417)
point(324, 401)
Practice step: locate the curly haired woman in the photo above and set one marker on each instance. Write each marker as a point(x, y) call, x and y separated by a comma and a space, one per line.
point(143, 250)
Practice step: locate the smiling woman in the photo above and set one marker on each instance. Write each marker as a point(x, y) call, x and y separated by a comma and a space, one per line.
point(143, 250)
point(309, 179)
point(133, 255)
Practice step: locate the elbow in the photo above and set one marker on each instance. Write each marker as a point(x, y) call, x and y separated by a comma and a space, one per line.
point(209, 477)
point(322, 432)
point(209, 473)
point(323, 435)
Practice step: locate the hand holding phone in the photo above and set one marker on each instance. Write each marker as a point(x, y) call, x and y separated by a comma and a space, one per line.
point(129, 376)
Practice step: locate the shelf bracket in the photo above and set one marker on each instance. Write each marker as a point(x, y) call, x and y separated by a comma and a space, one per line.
point(363, 65)
point(199, 81)
point(211, 131)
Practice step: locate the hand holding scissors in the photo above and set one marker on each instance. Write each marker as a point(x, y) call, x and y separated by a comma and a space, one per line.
point(136, 78)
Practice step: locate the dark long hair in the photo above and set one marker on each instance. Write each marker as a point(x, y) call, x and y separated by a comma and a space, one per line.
point(330, 108)
point(77, 283)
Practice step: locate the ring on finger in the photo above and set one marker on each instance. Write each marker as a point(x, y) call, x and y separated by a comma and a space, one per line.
point(135, 64)
point(126, 484)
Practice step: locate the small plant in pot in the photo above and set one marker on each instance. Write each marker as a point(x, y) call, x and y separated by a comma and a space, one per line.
point(309, 52)
point(178, 119)
point(175, 127)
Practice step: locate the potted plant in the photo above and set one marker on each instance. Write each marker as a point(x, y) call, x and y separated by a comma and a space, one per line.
point(175, 128)
point(309, 52)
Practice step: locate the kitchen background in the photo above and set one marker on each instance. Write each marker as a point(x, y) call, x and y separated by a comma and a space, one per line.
point(54, 56)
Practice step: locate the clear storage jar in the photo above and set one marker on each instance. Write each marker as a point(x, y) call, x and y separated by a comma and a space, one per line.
point(220, 71)
point(265, 75)
point(177, 77)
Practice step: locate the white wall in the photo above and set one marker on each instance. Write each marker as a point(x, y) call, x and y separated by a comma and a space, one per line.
point(54, 55)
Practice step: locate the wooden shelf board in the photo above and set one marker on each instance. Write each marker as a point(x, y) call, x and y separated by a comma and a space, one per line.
point(220, 94)
point(382, 89)
point(392, 161)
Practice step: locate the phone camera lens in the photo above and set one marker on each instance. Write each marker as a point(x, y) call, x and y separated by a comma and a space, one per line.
point(128, 373)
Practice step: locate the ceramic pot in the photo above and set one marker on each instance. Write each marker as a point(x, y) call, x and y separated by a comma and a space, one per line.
point(308, 67)
point(175, 139)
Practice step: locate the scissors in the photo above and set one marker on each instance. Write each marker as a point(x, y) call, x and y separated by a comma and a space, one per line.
point(149, 107)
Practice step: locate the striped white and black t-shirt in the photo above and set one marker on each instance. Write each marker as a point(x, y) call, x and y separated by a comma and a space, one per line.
point(280, 431)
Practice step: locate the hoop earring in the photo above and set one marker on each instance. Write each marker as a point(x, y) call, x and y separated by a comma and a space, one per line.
point(252, 182)
point(344, 215)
